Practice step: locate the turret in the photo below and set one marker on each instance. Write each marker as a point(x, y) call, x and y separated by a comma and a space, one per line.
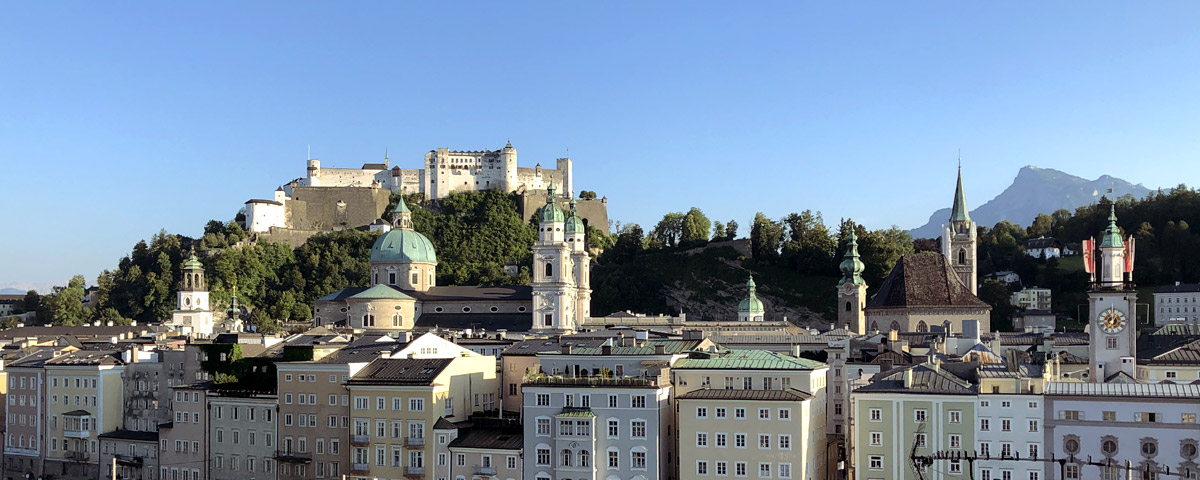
point(750, 309)
point(508, 165)
point(576, 232)
point(851, 266)
point(314, 172)
point(402, 216)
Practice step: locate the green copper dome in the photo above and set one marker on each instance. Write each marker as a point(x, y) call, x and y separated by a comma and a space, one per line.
point(403, 245)
point(851, 267)
point(574, 223)
point(750, 304)
point(192, 263)
point(551, 213)
point(1112, 234)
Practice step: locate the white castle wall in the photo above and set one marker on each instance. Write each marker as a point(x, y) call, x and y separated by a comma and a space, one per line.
point(261, 216)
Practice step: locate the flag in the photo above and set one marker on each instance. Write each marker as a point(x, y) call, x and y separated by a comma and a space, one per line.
point(1129, 255)
point(1089, 248)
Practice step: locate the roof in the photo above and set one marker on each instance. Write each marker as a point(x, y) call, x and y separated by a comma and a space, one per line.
point(1168, 350)
point(545, 345)
point(925, 379)
point(647, 347)
point(403, 245)
point(576, 413)
point(1112, 234)
point(745, 360)
point(34, 360)
point(1179, 288)
point(86, 357)
point(459, 292)
point(363, 349)
point(551, 213)
point(959, 212)
point(341, 294)
point(400, 371)
point(1136, 390)
point(260, 200)
point(1178, 329)
point(78, 331)
point(751, 303)
point(1043, 242)
point(130, 436)
point(520, 322)
point(574, 224)
point(789, 395)
point(488, 437)
point(924, 280)
point(381, 291)
point(192, 263)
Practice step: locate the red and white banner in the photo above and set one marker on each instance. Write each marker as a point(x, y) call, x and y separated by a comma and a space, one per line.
point(1089, 255)
point(1129, 255)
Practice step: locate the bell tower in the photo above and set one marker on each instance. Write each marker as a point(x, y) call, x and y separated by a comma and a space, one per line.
point(852, 289)
point(959, 238)
point(1112, 305)
point(554, 295)
point(193, 293)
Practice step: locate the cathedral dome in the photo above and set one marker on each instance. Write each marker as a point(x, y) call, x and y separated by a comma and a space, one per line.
point(574, 224)
point(751, 304)
point(551, 213)
point(403, 246)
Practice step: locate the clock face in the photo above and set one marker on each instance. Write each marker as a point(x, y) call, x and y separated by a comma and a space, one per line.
point(1112, 320)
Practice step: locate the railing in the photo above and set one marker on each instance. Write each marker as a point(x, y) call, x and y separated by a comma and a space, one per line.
point(360, 439)
point(414, 441)
point(414, 471)
point(360, 467)
point(77, 456)
point(75, 433)
point(290, 456)
point(131, 460)
point(482, 470)
point(593, 381)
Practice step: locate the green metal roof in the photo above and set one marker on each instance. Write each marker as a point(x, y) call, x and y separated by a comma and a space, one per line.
point(402, 207)
point(851, 267)
point(746, 360)
point(551, 213)
point(192, 263)
point(576, 413)
point(382, 291)
point(403, 245)
point(574, 224)
point(750, 304)
point(1112, 234)
point(959, 212)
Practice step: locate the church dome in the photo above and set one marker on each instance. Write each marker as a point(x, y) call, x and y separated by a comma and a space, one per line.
point(574, 223)
point(750, 304)
point(551, 213)
point(403, 246)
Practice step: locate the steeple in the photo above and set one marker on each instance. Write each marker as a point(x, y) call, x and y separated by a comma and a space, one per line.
point(750, 308)
point(1112, 234)
point(959, 212)
point(402, 216)
point(851, 267)
point(551, 213)
point(574, 223)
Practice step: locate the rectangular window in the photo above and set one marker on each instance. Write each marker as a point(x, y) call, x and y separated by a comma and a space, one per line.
point(764, 441)
point(416, 404)
point(543, 426)
point(543, 399)
point(956, 416)
point(722, 468)
point(721, 440)
point(764, 470)
point(764, 414)
point(875, 462)
point(637, 429)
point(739, 413)
point(613, 429)
point(785, 414)
point(919, 415)
point(612, 401)
point(739, 440)
point(639, 401)
point(955, 441)
point(701, 439)
point(701, 412)
point(785, 442)
point(720, 412)
point(638, 460)
point(876, 414)
point(876, 439)
point(701, 467)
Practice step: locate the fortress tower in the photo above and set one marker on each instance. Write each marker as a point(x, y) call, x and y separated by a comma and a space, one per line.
point(959, 239)
point(852, 289)
point(554, 296)
point(314, 173)
point(564, 166)
point(508, 165)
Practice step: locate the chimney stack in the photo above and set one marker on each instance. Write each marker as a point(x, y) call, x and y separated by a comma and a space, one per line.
point(660, 349)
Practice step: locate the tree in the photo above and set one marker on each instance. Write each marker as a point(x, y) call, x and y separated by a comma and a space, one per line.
point(694, 227)
point(810, 247)
point(628, 244)
point(109, 314)
point(587, 195)
point(880, 250)
point(731, 228)
point(263, 323)
point(1043, 226)
point(668, 231)
point(32, 301)
point(64, 306)
point(998, 295)
point(718, 231)
point(766, 236)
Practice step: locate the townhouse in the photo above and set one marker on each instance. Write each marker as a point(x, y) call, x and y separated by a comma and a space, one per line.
point(84, 400)
point(241, 434)
point(25, 415)
point(183, 442)
point(483, 447)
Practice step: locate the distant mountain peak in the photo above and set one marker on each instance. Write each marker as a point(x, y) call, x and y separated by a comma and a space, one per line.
point(1036, 190)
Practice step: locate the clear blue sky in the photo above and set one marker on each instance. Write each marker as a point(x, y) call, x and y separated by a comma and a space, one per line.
point(118, 122)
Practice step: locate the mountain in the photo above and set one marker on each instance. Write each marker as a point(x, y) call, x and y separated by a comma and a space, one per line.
point(1035, 190)
point(11, 291)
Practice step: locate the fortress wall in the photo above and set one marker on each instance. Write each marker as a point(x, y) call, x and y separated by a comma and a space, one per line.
point(351, 177)
point(329, 208)
point(526, 177)
point(594, 212)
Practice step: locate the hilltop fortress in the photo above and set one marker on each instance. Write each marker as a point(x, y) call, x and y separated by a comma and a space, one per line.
point(328, 199)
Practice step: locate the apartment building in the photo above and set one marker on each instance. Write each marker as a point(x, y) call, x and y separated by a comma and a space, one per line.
point(1150, 427)
point(183, 442)
point(241, 435)
point(25, 432)
point(395, 402)
point(1010, 423)
point(84, 399)
point(750, 412)
point(145, 385)
point(133, 454)
point(479, 448)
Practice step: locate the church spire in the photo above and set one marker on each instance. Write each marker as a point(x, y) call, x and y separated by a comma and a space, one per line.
point(959, 212)
point(851, 267)
point(1112, 234)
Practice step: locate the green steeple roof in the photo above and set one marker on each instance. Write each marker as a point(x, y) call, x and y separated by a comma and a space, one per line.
point(192, 263)
point(959, 212)
point(851, 267)
point(551, 213)
point(401, 207)
point(750, 304)
point(574, 223)
point(1112, 234)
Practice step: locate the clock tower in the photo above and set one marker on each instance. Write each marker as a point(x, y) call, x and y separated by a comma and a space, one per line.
point(1112, 304)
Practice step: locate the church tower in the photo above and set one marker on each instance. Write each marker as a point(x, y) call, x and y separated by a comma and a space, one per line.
point(852, 289)
point(576, 236)
point(959, 239)
point(750, 309)
point(1112, 304)
point(553, 286)
point(193, 315)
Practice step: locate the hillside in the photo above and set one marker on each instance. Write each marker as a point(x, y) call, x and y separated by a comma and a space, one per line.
point(1035, 190)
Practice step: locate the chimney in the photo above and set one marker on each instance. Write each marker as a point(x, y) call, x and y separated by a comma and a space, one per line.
point(908, 378)
point(796, 351)
point(660, 349)
point(606, 349)
point(886, 364)
point(566, 349)
point(1127, 365)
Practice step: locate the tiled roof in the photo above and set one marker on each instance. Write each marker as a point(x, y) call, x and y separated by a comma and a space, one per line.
point(341, 294)
point(923, 280)
point(1168, 350)
point(1137, 390)
point(789, 395)
point(745, 360)
point(1178, 329)
point(400, 371)
point(924, 380)
point(86, 357)
point(34, 360)
point(364, 349)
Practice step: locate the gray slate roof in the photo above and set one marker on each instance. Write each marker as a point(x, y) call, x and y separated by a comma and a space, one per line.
point(400, 371)
point(923, 280)
point(925, 379)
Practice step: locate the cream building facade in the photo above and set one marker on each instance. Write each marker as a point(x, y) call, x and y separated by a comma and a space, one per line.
point(84, 400)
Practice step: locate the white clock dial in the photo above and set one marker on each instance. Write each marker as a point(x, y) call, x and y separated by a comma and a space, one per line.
point(1111, 320)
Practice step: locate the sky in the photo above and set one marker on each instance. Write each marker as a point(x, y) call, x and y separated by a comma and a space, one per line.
point(121, 119)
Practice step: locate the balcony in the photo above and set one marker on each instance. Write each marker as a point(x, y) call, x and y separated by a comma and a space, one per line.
point(293, 457)
point(360, 468)
point(128, 460)
point(360, 440)
point(414, 442)
point(77, 456)
point(414, 472)
point(72, 433)
point(484, 471)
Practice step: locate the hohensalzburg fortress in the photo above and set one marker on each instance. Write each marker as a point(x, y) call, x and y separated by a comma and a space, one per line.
point(446, 171)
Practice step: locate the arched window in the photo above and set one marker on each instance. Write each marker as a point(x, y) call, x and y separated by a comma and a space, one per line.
point(847, 306)
point(874, 326)
point(585, 459)
point(922, 327)
point(549, 269)
point(566, 458)
point(962, 256)
point(895, 326)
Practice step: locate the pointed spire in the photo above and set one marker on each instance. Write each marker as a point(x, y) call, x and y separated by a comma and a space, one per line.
point(959, 212)
point(509, 144)
point(1112, 234)
point(385, 154)
point(401, 215)
point(851, 266)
